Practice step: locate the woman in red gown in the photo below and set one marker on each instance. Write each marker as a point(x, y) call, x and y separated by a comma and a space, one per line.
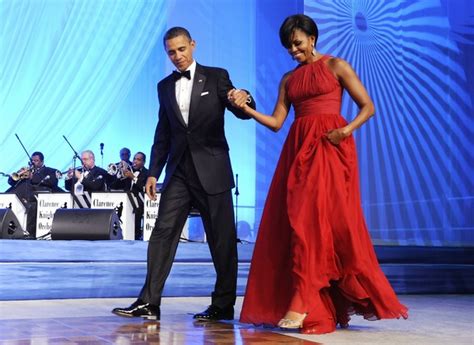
point(314, 263)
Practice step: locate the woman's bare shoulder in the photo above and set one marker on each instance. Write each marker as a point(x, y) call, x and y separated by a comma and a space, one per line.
point(338, 65)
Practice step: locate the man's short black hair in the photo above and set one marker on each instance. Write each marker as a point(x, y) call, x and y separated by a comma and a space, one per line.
point(141, 153)
point(39, 154)
point(175, 32)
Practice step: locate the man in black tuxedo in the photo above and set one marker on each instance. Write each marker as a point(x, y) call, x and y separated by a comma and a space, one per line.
point(190, 140)
point(134, 181)
point(37, 178)
point(90, 178)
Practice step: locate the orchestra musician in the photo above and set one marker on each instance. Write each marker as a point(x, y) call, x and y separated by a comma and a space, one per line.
point(133, 180)
point(89, 178)
point(36, 177)
point(125, 155)
point(115, 170)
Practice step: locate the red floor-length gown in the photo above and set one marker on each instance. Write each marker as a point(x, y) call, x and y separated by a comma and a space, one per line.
point(313, 252)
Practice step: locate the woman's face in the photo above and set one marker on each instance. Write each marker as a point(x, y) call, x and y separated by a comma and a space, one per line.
point(301, 46)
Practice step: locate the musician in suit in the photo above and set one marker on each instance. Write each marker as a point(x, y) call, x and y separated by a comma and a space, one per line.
point(111, 180)
point(125, 155)
point(35, 178)
point(38, 175)
point(91, 177)
point(190, 140)
point(134, 181)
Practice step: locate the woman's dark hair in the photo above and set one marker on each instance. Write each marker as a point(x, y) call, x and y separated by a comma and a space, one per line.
point(297, 21)
point(175, 32)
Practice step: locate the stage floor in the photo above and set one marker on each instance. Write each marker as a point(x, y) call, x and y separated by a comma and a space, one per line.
point(433, 319)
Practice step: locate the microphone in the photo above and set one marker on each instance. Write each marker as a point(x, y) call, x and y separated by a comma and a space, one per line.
point(101, 148)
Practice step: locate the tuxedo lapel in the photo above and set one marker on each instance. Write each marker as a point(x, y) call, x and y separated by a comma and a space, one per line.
point(171, 96)
point(198, 86)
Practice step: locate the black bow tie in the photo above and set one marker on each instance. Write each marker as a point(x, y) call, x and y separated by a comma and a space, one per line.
point(178, 75)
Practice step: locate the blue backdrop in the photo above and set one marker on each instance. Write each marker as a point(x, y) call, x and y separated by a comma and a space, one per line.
point(88, 69)
point(415, 155)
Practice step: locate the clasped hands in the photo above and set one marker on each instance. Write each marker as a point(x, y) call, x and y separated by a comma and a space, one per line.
point(238, 98)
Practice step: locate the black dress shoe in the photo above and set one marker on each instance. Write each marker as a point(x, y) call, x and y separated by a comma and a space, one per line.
point(213, 313)
point(139, 309)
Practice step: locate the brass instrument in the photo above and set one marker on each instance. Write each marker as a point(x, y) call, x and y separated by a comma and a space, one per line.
point(61, 174)
point(112, 169)
point(21, 174)
point(118, 169)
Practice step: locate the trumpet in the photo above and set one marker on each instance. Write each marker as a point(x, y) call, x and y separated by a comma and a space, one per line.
point(61, 174)
point(21, 174)
point(118, 169)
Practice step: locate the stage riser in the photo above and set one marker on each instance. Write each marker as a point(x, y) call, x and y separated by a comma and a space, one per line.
point(102, 280)
point(83, 280)
point(89, 269)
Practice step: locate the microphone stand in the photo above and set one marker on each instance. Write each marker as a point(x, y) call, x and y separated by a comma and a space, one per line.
point(29, 187)
point(26, 151)
point(73, 184)
point(101, 155)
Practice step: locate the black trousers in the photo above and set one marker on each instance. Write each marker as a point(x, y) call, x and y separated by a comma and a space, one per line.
point(184, 191)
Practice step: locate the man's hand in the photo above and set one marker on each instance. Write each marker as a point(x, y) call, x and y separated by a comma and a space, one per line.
point(238, 98)
point(150, 187)
point(128, 174)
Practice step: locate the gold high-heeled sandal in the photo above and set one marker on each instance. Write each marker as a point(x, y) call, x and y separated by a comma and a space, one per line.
point(292, 323)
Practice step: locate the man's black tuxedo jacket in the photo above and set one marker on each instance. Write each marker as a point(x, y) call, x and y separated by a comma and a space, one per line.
point(44, 176)
point(203, 136)
point(43, 179)
point(94, 182)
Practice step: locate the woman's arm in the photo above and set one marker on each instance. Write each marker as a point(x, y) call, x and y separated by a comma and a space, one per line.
point(351, 82)
point(277, 118)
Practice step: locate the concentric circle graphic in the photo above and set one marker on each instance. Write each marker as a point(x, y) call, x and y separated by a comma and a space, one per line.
point(415, 155)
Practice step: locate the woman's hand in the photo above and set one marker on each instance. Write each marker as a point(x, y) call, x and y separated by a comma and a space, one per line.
point(238, 98)
point(335, 136)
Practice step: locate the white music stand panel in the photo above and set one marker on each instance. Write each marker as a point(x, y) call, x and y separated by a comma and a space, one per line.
point(48, 203)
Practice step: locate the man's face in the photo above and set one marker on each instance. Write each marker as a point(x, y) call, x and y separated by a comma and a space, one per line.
point(138, 161)
point(124, 155)
point(37, 163)
point(180, 51)
point(88, 161)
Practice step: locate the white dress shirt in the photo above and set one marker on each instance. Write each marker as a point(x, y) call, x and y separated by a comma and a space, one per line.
point(183, 88)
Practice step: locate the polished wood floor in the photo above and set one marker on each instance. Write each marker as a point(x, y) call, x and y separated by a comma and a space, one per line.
point(177, 329)
point(437, 319)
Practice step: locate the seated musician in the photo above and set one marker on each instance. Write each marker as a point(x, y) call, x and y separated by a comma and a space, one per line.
point(34, 178)
point(125, 155)
point(90, 178)
point(133, 180)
